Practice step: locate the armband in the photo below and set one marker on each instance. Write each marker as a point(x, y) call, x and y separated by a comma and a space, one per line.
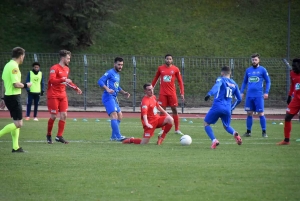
point(25, 85)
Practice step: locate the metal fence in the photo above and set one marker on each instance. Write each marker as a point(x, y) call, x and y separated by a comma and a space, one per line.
point(199, 75)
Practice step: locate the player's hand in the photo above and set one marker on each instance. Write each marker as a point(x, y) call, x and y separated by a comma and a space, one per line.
point(68, 80)
point(2, 104)
point(289, 99)
point(42, 93)
point(149, 125)
point(79, 91)
point(242, 96)
point(266, 96)
point(182, 97)
point(126, 94)
point(110, 91)
point(29, 84)
point(206, 97)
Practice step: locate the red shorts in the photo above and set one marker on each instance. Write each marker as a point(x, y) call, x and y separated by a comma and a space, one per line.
point(294, 106)
point(56, 105)
point(168, 100)
point(158, 123)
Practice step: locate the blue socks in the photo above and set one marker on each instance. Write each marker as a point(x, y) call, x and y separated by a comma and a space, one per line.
point(262, 120)
point(229, 130)
point(249, 122)
point(209, 132)
point(115, 129)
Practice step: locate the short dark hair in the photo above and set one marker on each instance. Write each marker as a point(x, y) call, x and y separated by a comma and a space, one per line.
point(118, 59)
point(168, 55)
point(296, 65)
point(36, 64)
point(64, 53)
point(255, 55)
point(226, 69)
point(17, 52)
point(147, 85)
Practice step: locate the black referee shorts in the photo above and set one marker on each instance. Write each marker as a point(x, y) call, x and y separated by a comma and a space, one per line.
point(13, 104)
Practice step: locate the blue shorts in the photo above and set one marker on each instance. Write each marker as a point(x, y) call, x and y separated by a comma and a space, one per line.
point(111, 104)
point(255, 104)
point(218, 112)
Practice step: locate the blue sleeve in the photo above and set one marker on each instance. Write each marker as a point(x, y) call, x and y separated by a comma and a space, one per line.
point(238, 98)
point(244, 84)
point(215, 88)
point(28, 80)
point(43, 83)
point(268, 81)
point(102, 81)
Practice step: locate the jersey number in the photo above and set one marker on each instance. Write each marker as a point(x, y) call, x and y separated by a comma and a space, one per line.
point(228, 92)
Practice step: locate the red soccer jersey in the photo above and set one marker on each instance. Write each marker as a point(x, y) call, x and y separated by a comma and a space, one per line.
point(149, 107)
point(167, 79)
point(295, 85)
point(56, 82)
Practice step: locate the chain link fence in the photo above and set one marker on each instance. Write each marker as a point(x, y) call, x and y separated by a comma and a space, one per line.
point(199, 75)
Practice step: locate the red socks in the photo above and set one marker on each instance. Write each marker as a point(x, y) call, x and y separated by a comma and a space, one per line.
point(166, 130)
point(176, 121)
point(50, 126)
point(287, 129)
point(61, 128)
point(135, 140)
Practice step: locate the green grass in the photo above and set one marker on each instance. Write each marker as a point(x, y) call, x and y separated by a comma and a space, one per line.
point(93, 168)
point(184, 28)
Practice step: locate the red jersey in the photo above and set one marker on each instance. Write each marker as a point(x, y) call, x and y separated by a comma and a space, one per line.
point(56, 82)
point(167, 80)
point(149, 107)
point(295, 85)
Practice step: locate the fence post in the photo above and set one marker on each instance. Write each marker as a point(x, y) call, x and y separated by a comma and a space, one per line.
point(232, 67)
point(35, 57)
point(85, 79)
point(134, 83)
point(182, 74)
point(288, 81)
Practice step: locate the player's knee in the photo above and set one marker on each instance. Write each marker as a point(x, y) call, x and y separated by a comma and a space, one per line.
point(249, 113)
point(113, 115)
point(174, 110)
point(261, 114)
point(205, 123)
point(288, 117)
point(19, 124)
point(170, 120)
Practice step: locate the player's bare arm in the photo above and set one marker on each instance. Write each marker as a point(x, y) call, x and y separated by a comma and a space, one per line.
point(22, 85)
point(163, 111)
point(146, 121)
point(125, 93)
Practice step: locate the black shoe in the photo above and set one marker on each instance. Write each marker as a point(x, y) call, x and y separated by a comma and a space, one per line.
point(20, 150)
point(49, 139)
point(264, 135)
point(247, 135)
point(61, 139)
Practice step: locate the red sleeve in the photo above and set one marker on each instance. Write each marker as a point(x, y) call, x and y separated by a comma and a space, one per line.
point(156, 77)
point(144, 107)
point(72, 85)
point(53, 76)
point(180, 82)
point(291, 84)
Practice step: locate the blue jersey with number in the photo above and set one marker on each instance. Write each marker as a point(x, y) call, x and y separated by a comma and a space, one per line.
point(111, 79)
point(255, 78)
point(223, 91)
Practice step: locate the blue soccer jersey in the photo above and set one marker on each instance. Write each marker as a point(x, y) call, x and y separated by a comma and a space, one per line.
point(255, 78)
point(111, 79)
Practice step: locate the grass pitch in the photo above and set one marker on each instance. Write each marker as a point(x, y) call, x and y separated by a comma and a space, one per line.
point(93, 168)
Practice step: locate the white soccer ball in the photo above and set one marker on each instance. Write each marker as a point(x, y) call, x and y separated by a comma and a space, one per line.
point(185, 140)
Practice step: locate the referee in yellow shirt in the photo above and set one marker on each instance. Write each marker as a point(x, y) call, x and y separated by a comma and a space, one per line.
point(12, 83)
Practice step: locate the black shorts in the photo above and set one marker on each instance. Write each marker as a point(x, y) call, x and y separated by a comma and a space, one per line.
point(13, 104)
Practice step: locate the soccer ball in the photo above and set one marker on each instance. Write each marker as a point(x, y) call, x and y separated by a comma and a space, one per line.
point(185, 140)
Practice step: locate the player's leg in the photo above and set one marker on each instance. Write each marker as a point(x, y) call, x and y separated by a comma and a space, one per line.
point(167, 122)
point(28, 107)
point(249, 108)
point(36, 99)
point(11, 106)
point(163, 102)
point(211, 118)
point(62, 108)
point(226, 120)
point(120, 116)
point(259, 105)
point(173, 103)
point(148, 133)
point(52, 104)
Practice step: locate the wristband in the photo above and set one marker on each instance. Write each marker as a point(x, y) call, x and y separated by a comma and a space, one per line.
point(25, 85)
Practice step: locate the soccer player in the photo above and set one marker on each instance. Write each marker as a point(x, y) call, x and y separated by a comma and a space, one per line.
point(255, 76)
point(151, 119)
point(36, 90)
point(223, 91)
point(110, 82)
point(11, 77)
point(168, 73)
point(57, 100)
point(293, 104)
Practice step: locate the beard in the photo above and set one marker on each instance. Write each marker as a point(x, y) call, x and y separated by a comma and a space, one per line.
point(117, 69)
point(254, 65)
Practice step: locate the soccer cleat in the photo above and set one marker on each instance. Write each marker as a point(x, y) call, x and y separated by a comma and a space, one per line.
point(61, 139)
point(161, 132)
point(214, 144)
point(120, 139)
point(237, 138)
point(27, 118)
point(179, 132)
point(247, 135)
point(35, 119)
point(127, 140)
point(160, 140)
point(20, 150)
point(283, 143)
point(112, 139)
point(49, 139)
point(264, 135)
